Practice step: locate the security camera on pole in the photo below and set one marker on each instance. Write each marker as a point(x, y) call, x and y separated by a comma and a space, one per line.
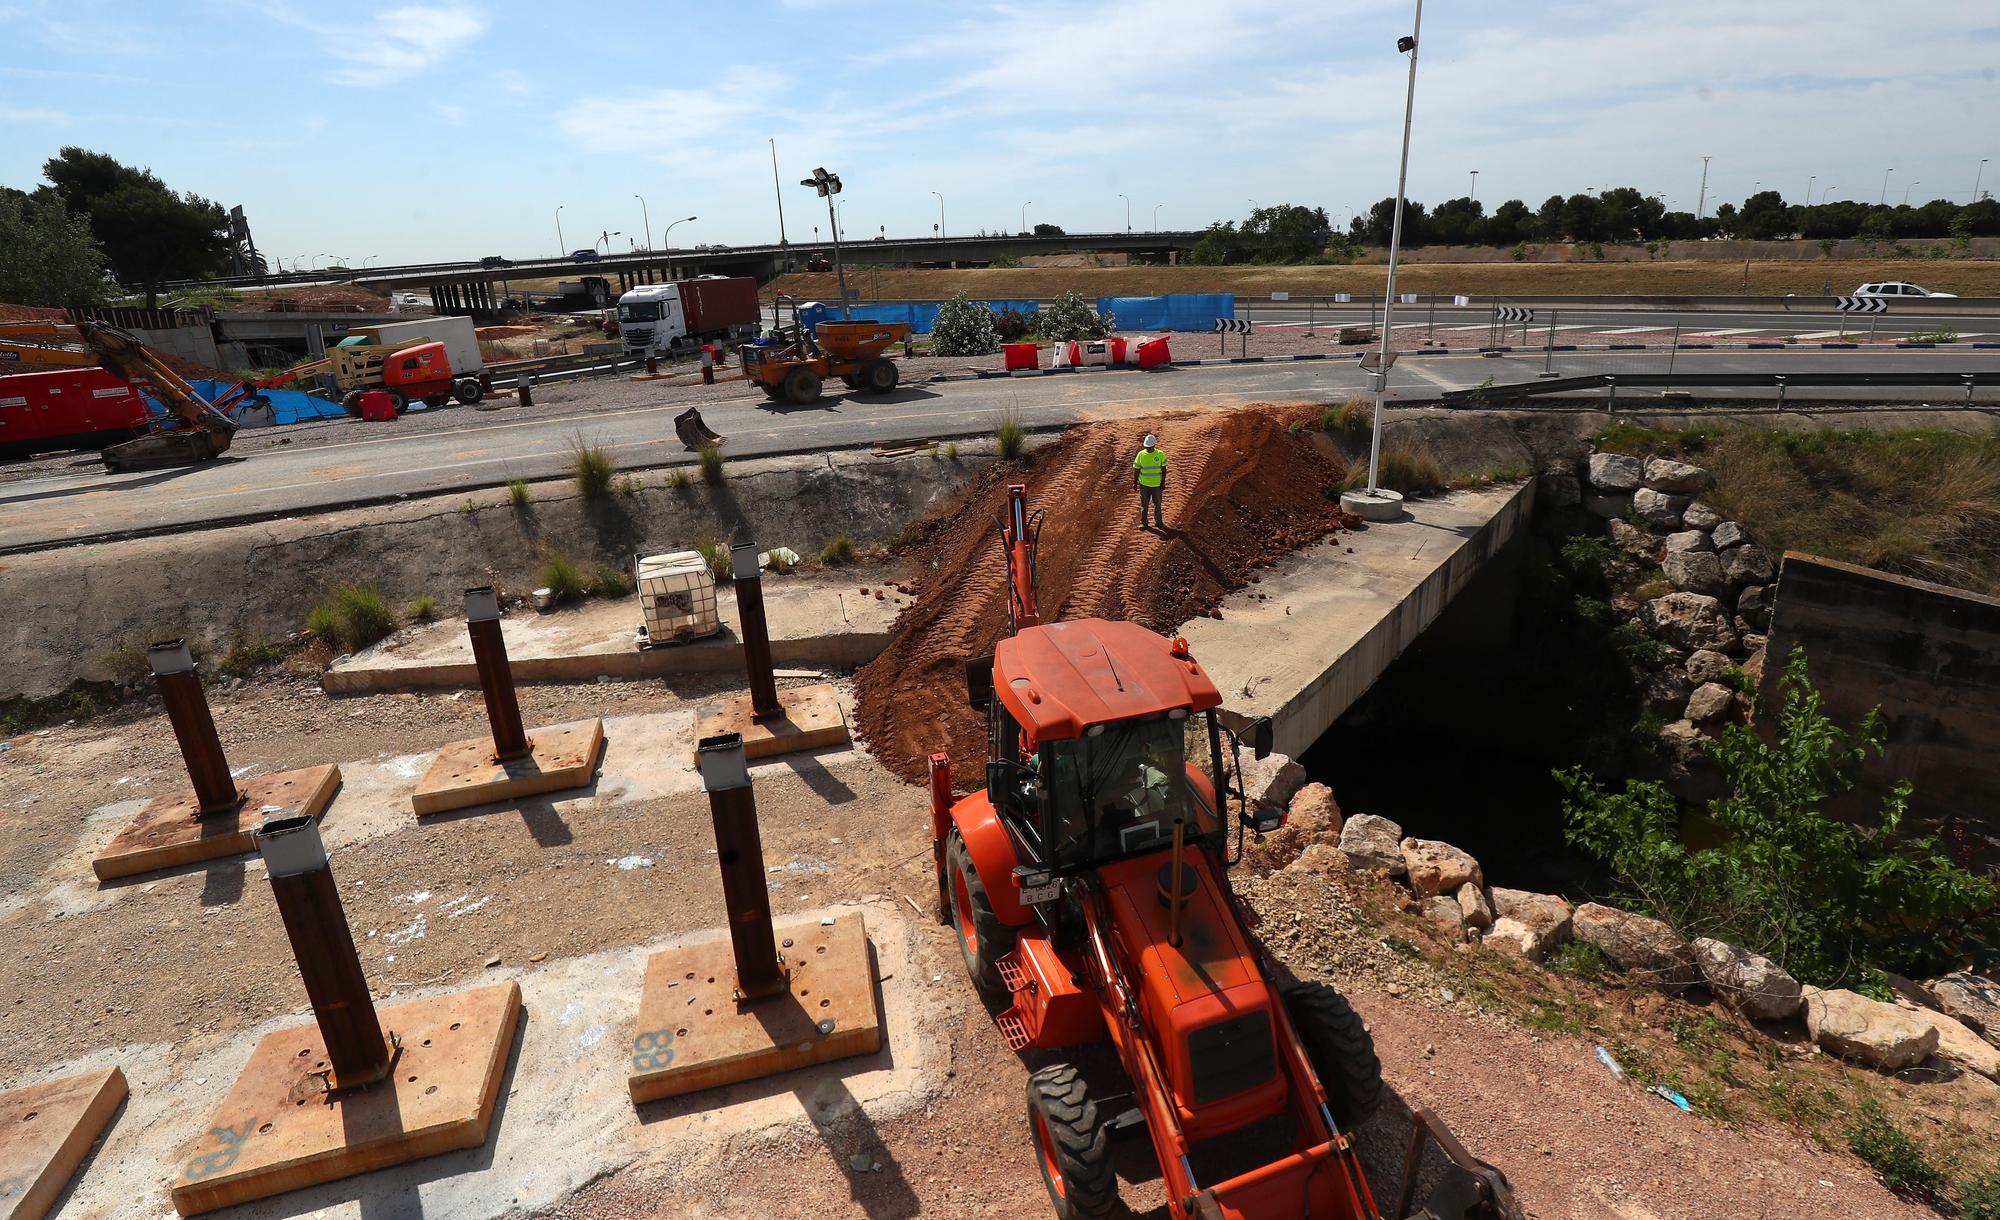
point(1377, 503)
point(828, 185)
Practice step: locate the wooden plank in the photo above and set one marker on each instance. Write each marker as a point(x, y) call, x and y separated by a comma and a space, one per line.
point(45, 1130)
point(167, 832)
point(693, 1035)
point(465, 773)
point(812, 720)
point(279, 1131)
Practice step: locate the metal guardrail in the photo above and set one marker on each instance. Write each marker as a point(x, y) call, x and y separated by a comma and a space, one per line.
point(1782, 382)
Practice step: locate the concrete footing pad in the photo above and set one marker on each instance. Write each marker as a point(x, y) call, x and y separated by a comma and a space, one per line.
point(465, 773)
point(811, 720)
point(45, 1130)
point(278, 1130)
point(1378, 505)
point(170, 830)
point(693, 1034)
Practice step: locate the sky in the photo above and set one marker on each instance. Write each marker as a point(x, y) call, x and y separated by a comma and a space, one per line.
point(419, 130)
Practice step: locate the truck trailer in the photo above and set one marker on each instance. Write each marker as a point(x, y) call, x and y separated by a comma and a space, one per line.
point(668, 319)
point(85, 408)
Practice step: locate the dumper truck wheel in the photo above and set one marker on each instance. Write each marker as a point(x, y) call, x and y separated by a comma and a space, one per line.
point(351, 404)
point(1072, 1144)
point(469, 391)
point(982, 939)
point(879, 376)
point(1340, 1050)
point(802, 385)
point(851, 382)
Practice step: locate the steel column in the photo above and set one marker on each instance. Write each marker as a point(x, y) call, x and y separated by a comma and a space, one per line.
point(194, 728)
point(309, 903)
point(756, 633)
point(496, 677)
point(732, 806)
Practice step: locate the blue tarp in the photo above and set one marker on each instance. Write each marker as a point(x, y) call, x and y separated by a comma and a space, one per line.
point(1177, 311)
point(287, 406)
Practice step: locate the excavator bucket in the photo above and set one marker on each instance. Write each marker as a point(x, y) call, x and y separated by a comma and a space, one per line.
point(695, 434)
point(1462, 1187)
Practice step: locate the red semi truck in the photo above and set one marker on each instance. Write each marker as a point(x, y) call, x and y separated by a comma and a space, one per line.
point(79, 408)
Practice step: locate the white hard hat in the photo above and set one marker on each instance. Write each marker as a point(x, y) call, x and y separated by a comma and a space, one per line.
point(1150, 440)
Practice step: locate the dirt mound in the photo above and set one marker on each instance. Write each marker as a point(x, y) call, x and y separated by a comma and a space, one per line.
point(1244, 489)
point(323, 298)
point(32, 313)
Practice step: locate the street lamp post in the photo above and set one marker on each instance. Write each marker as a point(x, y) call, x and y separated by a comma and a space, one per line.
point(562, 247)
point(1978, 178)
point(1906, 193)
point(1810, 179)
point(1024, 216)
point(1701, 201)
point(667, 240)
point(940, 199)
point(1254, 205)
point(1156, 216)
point(1128, 210)
point(779, 193)
point(1884, 196)
point(647, 217)
point(828, 185)
point(1376, 503)
point(1824, 192)
point(1475, 186)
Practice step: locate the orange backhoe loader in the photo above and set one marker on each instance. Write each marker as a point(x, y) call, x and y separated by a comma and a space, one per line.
point(1088, 888)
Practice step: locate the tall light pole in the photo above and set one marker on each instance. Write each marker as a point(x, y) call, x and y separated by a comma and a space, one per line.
point(1128, 210)
point(1978, 178)
point(645, 216)
point(1809, 183)
point(1024, 216)
point(1884, 196)
point(940, 199)
point(1701, 201)
point(776, 191)
point(1475, 186)
point(1824, 192)
point(562, 247)
point(667, 240)
point(1906, 193)
point(1375, 503)
point(1156, 216)
point(1254, 205)
point(828, 185)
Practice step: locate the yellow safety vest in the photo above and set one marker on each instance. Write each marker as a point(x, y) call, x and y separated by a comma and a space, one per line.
point(1152, 467)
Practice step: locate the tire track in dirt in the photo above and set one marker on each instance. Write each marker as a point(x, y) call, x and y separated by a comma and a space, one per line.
point(1245, 488)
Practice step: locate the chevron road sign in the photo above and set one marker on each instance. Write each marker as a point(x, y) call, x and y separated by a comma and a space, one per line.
point(1510, 313)
point(1232, 326)
point(1863, 305)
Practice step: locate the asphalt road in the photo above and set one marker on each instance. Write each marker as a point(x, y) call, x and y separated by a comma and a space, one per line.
point(87, 503)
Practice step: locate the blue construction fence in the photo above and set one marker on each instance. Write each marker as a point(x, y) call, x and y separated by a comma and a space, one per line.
point(1176, 311)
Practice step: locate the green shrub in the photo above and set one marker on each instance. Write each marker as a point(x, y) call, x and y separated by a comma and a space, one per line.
point(629, 485)
point(1013, 438)
point(1943, 334)
point(680, 479)
point(1896, 1158)
point(518, 494)
point(1580, 960)
point(468, 508)
point(838, 550)
point(1402, 469)
point(593, 470)
point(610, 582)
point(422, 608)
point(951, 451)
point(352, 617)
point(1072, 316)
point(714, 552)
point(964, 328)
point(1831, 900)
point(561, 576)
point(1979, 1198)
point(710, 457)
point(244, 659)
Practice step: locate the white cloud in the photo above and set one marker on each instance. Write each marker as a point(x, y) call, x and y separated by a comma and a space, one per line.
point(32, 114)
point(402, 42)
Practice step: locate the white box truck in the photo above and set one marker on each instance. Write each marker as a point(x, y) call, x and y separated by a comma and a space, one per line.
point(460, 339)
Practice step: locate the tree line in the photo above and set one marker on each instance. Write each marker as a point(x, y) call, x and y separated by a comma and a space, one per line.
point(98, 223)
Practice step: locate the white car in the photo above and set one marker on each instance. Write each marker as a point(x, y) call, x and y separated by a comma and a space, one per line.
point(1898, 288)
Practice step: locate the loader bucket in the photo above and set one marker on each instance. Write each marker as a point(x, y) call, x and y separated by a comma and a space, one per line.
point(695, 434)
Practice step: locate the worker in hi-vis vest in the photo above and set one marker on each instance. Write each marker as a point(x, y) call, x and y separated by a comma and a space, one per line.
point(1149, 475)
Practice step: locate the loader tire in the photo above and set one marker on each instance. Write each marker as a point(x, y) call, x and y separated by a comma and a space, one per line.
point(351, 404)
point(982, 939)
point(469, 391)
point(850, 381)
point(1072, 1144)
point(880, 376)
point(1340, 1049)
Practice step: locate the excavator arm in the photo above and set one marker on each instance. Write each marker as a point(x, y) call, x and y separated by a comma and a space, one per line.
point(198, 431)
point(1020, 539)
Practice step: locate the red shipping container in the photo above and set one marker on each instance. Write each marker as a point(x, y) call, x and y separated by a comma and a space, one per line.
point(1153, 353)
point(1021, 355)
point(67, 409)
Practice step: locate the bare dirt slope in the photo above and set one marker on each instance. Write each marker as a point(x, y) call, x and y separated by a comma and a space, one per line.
point(1242, 491)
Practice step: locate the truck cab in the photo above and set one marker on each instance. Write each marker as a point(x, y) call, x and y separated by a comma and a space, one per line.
point(651, 320)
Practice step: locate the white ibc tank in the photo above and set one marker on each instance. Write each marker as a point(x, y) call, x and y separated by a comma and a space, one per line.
point(677, 596)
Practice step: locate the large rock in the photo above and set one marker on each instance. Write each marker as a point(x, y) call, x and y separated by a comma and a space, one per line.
point(1851, 1025)
point(1729, 534)
point(1707, 665)
point(1443, 911)
point(1753, 605)
point(1688, 540)
point(1694, 571)
point(1667, 691)
point(1748, 564)
point(1972, 998)
point(1634, 542)
point(1658, 507)
point(1558, 489)
point(1313, 813)
point(1752, 984)
point(1608, 504)
point(1615, 472)
point(1371, 842)
point(1527, 924)
point(1474, 906)
point(1957, 1044)
point(1710, 701)
point(1435, 868)
point(1639, 944)
point(1516, 939)
point(1689, 620)
point(1700, 515)
point(1665, 474)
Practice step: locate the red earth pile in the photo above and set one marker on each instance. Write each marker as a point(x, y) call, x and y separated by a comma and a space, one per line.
point(1244, 489)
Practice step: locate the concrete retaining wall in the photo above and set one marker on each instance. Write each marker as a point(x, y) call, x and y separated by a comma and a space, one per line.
point(1927, 655)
